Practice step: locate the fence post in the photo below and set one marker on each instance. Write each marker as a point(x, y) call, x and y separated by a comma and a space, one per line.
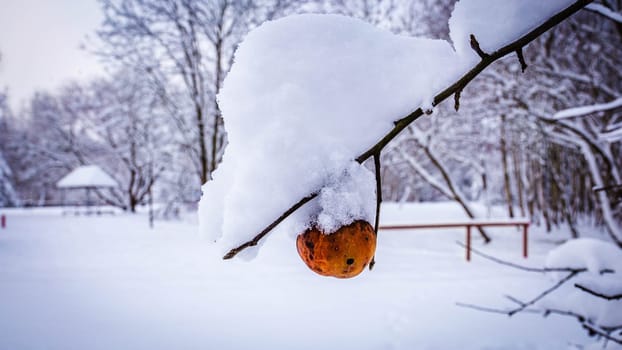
point(468, 243)
point(525, 227)
point(3, 221)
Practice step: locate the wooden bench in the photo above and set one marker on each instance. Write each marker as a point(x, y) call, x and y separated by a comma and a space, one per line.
point(468, 224)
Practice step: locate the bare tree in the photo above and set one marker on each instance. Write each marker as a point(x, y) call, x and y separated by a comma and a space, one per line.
point(8, 196)
point(128, 122)
point(186, 47)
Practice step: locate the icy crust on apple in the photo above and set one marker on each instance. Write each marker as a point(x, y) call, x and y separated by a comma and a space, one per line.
point(309, 93)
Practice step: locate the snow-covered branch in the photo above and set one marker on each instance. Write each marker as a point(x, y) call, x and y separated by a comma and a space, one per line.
point(595, 264)
point(487, 58)
point(597, 293)
point(605, 11)
point(587, 110)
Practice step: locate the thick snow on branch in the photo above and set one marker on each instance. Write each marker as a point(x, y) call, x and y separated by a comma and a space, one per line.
point(587, 110)
point(307, 94)
point(497, 23)
point(602, 10)
point(603, 262)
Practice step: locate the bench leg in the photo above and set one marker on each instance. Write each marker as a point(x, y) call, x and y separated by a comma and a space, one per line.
point(525, 227)
point(468, 243)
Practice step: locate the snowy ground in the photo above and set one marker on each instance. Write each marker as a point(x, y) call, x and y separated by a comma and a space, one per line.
point(112, 283)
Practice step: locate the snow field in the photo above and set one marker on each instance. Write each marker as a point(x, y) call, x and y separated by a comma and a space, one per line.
point(110, 282)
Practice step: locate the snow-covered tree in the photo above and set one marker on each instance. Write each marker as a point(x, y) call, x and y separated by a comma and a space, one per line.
point(186, 48)
point(8, 196)
point(127, 120)
point(49, 141)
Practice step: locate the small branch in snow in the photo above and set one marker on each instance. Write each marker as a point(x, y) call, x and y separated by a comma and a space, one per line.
point(604, 332)
point(544, 293)
point(522, 306)
point(521, 59)
point(598, 294)
point(527, 268)
point(601, 332)
point(477, 49)
point(457, 100)
point(492, 309)
point(514, 300)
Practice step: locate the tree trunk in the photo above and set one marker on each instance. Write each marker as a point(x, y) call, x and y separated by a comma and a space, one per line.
point(456, 194)
point(506, 172)
point(202, 146)
point(615, 232)
point(519, 180)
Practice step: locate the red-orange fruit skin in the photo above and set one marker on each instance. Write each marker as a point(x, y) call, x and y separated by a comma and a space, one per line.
point(342, 254)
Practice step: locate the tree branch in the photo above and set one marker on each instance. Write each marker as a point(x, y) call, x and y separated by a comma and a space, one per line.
point(521, 59)
point(605, 333)
point(475, 46)
point(527, 268)
point(598, 294)
point(460, 84)
point(545, 292)
point(457, 100)
point(269, 228)
point(597, 330)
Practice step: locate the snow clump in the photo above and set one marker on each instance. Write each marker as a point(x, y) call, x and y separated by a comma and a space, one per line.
point(307, 94)
point(603, 262)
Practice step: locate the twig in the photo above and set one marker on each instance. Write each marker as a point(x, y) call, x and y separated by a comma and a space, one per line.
point(401, 124)
point(521, 267)
point(493, 310)
point(512, 299)
point(545, 293)
point(457, 100)
point(598, 294)
point(475, 46)
point(460, 84)
point(531, 269)
point(521, 59)
point(524, 305)
point(601, 332)
point(269, 228)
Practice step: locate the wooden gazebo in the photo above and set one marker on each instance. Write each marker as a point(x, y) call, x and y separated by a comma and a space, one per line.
point(87, 178)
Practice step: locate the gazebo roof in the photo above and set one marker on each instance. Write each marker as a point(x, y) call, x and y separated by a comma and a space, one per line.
point(87, 176)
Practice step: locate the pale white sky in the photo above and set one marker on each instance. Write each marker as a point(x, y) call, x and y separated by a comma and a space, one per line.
point(40, 45)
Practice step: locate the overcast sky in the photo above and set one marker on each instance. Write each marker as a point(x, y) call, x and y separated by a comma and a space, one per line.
point(40, 44)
